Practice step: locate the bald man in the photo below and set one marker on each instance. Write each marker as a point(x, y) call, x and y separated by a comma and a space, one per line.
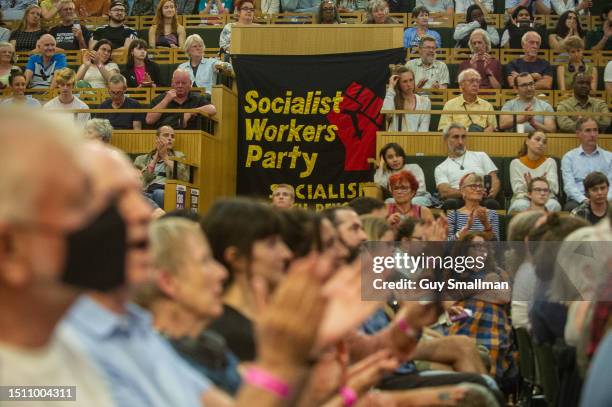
point(41, 67)
point(180, 97)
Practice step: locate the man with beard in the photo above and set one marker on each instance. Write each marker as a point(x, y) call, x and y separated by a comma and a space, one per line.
point(540, 69)
point(140, 366)
point(581, 102)
point(526, 101)
point(43, 213)
point(69, 34)
point(115, 31)
point(429, 73)
point(349, 228)
point(461, 162)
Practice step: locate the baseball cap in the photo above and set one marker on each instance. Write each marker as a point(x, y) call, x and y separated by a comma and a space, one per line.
point(116, 3)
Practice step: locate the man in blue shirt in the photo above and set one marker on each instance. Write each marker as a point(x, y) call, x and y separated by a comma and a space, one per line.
point(541, 71)
point(583, 160)
point(41, 67)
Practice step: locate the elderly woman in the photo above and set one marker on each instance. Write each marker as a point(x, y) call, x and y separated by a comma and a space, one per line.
point(246, 13)
point(157, 167)
point(533, 162)
point(482, 61)
point(99, 129)
point(17, 84)
point(202, 71)
point(328, 13)
point(472, 217)
point(378, 13)
point(187, 297)
point(400, 96)
point(403, 186)
point(413, 35)
point(29, 30)
point(565, 72)
point(8, 58)
point(97, 65)
point(474, 19)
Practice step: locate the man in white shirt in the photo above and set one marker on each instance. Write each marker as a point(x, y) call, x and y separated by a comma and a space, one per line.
point(65, 79)
point(460, 161)
point(42, 206)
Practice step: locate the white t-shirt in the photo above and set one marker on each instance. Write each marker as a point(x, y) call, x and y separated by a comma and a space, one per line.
point(450, 172)
point(608, 72)
point(79, 118)
point(95, 78)
point(57, 364)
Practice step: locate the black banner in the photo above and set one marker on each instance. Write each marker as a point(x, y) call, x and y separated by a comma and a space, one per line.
point(311, 122)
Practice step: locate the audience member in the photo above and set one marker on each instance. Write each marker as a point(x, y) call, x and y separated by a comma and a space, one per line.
point(400, 96)
point(349, 228)
point(166, 31)
point(202, 71)
point(99, 129)
point(246, 13)
point(28, 32)
point(403, 186)
point(541, 71)
point(98, 67)
point(41, 67)
point(526, 101)
point(328, 13)
point(96, 8)
point(115, 31)
point(180, 97)
point(428, 73)
point(41, 231)
point(64, 79)
point(582, 7)
point(474, 19)
point(140, 71)
point(218, 7)
point(283, 196)
point(415, 36)
point(7, 60)
point(534, 6)
point(538, 192)
point(437, 6)
point(568, 26)
point(482, 61)
point(565, 76)
point(157, 167)
point(520, 23)
point(471, 216)
point(69, 34)
point(17, 84)
point(185, 299)
point(393, 160)
point(461, 6)
point(583, 160)
point(351, 6)
point(600, 39)
point(595, 207)
point(245, 237)
point(608, 78)
point(532, 163)
point(15, 9)
point(378, 13)
point(365, 205)
point(581, 102)
point(377, 229)
point(460, 162)
point(469, 82)
point(117, 86)
point(5, 33)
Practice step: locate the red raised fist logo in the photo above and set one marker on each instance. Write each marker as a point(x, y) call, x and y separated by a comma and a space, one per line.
point(358, 121)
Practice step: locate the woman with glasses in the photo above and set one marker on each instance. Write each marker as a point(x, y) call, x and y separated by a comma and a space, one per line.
point(532, 162)
point(246, 12)
point(472, 217)
point(404, 186)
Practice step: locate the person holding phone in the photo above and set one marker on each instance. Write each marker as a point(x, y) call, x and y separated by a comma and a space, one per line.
point(140, 71)
point(69, 34)
point(97, 65)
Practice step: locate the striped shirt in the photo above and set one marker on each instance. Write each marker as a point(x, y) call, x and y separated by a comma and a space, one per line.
point(457, 220)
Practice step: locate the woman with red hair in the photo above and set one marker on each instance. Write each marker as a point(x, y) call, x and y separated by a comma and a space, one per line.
point(403, 186)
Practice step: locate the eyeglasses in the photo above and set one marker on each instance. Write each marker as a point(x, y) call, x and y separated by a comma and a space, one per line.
point(541, 190)
point(118, 10)
point(474, 186)
point(527, 85)
point(401, 188)
point(431, 48)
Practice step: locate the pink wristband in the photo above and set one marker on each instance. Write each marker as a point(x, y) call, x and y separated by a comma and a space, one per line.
point(264, 380)
point(348, 395)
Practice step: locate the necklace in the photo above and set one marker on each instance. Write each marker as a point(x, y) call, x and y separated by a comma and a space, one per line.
point(459, 164)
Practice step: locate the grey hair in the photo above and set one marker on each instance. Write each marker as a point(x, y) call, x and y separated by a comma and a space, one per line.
point(465, 72)
point(426, 38)
point(451, 126)
point(524, 37)
point(38, 134)
point(191, 39)
point(167, 238)
point(102, 127)
point(9, 45)
point(117, 78)
point(377, 5)
point(485, 38)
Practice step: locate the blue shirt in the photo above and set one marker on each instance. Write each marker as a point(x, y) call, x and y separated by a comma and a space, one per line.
point(576, 165)
point(538, 66)
point(411, 39)
point(140, 367)
point(597, 391)
point(43, 75)
point(206, 74)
